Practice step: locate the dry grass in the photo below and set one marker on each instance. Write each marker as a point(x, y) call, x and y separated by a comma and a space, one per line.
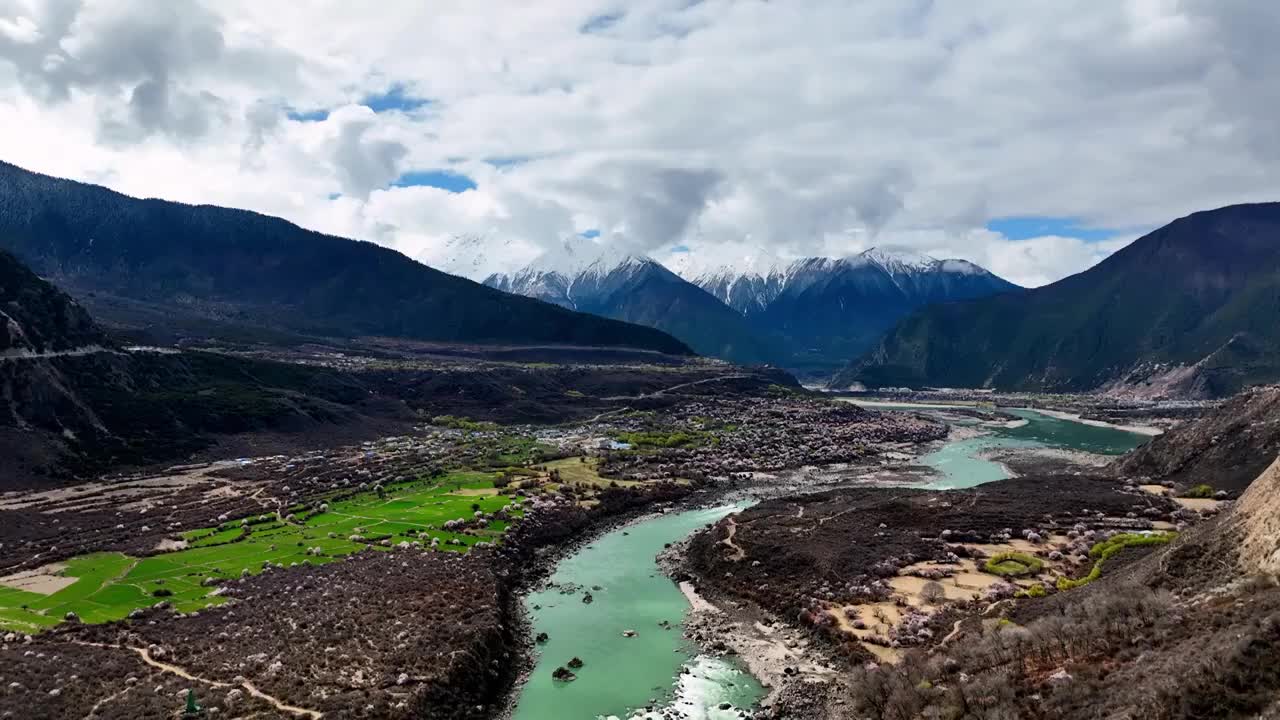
point(575, 470)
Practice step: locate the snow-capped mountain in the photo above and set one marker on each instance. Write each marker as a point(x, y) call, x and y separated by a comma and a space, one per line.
point(747, 283)
point(758, 281)
point(462, 255)
point(811, 314)
point(576, 274)
point(827, 310)
point(589, 277)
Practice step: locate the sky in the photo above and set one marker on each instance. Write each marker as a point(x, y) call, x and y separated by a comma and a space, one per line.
point(1033, 137)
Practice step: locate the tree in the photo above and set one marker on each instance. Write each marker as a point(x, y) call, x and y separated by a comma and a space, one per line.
point(933, 592)
point(193, 708)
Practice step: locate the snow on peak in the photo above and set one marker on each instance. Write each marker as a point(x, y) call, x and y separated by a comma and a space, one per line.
point(899, 259)
point(462, 255)
point(580, 255)
point(961, 267)
point(726, 265)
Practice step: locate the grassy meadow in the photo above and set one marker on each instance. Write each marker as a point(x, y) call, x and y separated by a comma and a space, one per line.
point(108, 586)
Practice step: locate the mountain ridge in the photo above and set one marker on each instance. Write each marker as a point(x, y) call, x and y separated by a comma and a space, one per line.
point(641, 290)
point(827, 309)
point(808, 313)
point(1188, 310)
point(37, 318)
point(224, 266)
point(894, 262)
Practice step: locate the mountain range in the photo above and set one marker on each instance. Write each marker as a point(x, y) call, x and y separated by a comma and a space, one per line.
point(1191, 309)
point(637, 289)
point(159, 265)
point(809, 315)
point(826, 310)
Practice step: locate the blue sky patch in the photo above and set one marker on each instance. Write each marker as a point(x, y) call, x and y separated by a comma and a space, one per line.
point(600, 23)
point(1022, 228)
point(590, 234)
point(443, 179)
point(680, 249)
point(318, 115)
point(393, 99)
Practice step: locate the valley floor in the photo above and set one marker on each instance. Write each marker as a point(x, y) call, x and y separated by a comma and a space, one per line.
point(249, 580)
point(382, 578)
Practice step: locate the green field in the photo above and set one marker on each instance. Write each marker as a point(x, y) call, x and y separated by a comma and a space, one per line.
point(574, 470)
point(111, 585)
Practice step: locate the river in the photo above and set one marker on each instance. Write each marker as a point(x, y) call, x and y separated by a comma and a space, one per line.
point(623, 677)
point(961, 463)
point(620, 675)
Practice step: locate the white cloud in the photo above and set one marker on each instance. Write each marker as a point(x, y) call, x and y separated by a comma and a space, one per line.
point(803, 128)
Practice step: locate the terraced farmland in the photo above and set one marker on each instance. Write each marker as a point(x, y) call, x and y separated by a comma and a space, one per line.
point(108, 586)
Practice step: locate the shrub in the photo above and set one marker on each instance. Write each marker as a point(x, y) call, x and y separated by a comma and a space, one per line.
point(1118, 542)
point(1100, 552)
point(1013, 564)
point(1035, 591)
point(461, 423)
point(933, 593)
point(1199, 491)
point(666, 440)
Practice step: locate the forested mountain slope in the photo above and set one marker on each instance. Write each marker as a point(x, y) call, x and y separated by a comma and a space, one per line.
point(173, 262)
point(1192, 308)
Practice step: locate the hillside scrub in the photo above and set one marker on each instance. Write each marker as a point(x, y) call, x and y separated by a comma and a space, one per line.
point(462, 423)
point(1131, 652)
point(666, 439)
point(1013, 564)
point(1102, 551)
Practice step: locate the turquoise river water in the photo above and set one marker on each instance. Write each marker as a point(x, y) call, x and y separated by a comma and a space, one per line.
point(623, 676)
point(961, 466)
point(620, 675)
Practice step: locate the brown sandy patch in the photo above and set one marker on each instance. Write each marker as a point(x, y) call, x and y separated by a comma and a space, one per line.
point(1015, 545)
point(883, 654)
point(475, 492)
point(910, 587)
point(879, 619)
point(974, 581)
point(42, 580)
point(1198, 504)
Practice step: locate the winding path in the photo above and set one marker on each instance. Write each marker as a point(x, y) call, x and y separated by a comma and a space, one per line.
point(955, 630)
point(247, 686)
point(681, 386)
point(738, 553)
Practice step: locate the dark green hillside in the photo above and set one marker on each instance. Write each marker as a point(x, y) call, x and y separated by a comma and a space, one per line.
point(1202, 293)
point(656, 297)
point(236, 267)
point(37, 317)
